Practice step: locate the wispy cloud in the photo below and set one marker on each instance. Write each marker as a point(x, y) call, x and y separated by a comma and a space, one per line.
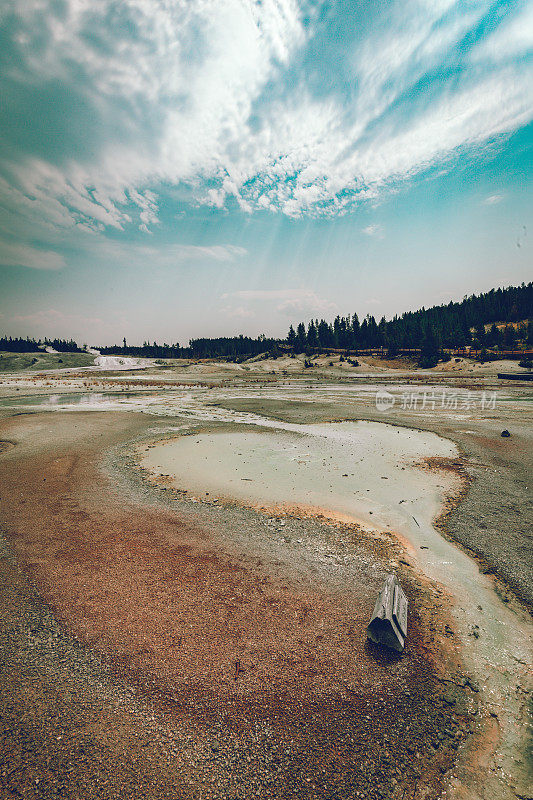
point(286, 302)
point(264, 294)
point(20, 255)
point(240, 312)
point(242, 102)
point(307, 304)
point(51, 321)
point(374, 230)
point(178, 253)
point(166, 255)
point(47, 317)
point(493, 199)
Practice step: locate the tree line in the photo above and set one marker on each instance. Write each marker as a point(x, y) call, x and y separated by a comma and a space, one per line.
point(27, 345)
point(146, 350)
point(233, 347)
point(229, 347)
point(454, 325)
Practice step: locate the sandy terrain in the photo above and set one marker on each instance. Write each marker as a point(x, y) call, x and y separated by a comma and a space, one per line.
point(157, 646)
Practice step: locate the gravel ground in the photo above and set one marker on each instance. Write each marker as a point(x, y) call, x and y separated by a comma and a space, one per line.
point(152, 647)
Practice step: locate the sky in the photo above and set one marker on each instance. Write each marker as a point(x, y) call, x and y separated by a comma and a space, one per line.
point(171, 169)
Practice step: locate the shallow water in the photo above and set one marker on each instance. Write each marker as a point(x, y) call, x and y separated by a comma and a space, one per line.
point(457, 404)
point(64, 400)
point(357, 469)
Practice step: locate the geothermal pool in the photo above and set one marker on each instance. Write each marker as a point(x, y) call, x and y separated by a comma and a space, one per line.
point(370, 473)
point(358, 470)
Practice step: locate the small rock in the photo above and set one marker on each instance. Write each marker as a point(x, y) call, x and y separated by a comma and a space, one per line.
point(472, 684)
point(505, 434)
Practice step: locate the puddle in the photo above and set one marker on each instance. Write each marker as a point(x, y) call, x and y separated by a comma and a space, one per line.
point(64, 400)
point(357, 469)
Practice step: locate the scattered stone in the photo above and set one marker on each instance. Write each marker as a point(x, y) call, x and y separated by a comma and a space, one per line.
point(505, 434)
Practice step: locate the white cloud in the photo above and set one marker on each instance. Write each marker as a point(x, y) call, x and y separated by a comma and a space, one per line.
point(374, 230)
point(82, 327)
point(513, 37)
point(183, 252)
point(307, 304)
point(165, 255)
point(21, 255)
point(240, 312)
point(289, 301)
point(147, 202)
point(196, 93)
point(493, 199)
point(52, 317)
point(263, 294)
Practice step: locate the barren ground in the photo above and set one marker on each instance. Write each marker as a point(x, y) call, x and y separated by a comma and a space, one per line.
point(155, 647)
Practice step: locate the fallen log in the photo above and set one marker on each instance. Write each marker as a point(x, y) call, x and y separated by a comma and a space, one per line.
point(388, 625)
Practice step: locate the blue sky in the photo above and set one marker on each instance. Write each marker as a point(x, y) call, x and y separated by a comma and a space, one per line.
point(207, 167)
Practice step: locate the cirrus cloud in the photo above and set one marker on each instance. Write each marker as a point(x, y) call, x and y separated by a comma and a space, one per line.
point(273, 105)
point(493, 199)
point(20, 255)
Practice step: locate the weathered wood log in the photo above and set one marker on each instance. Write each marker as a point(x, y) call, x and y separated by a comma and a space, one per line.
point(388, 624)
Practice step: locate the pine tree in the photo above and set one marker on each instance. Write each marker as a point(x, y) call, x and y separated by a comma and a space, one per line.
point(509, 337)
point(301, 337)
point(430, 351)
point(291, 337)
point(312, 336)
point(356, 332)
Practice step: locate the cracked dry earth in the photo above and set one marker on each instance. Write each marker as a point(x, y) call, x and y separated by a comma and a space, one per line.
point(152, 650)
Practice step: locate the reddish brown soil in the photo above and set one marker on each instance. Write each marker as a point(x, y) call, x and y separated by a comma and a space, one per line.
point(262, 678)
